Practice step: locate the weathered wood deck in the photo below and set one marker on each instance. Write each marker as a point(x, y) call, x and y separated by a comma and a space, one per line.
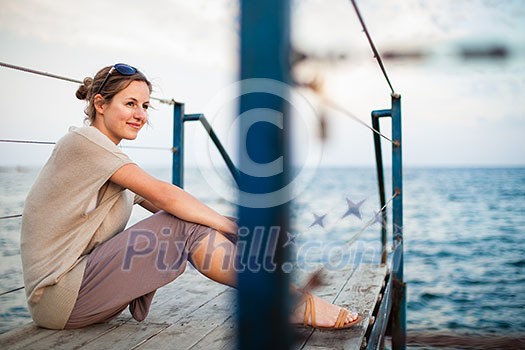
point(196, 313)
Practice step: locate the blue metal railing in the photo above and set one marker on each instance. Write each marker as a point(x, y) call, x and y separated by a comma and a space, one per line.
point(177, 171)
point(399, 296)
point(394, 303)
point(213, 136)
point(179, 119)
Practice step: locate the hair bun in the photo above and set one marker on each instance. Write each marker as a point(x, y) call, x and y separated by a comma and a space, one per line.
point(84, 89)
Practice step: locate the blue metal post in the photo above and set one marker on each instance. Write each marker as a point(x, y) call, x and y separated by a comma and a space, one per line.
point(177, 171)
point(380, 176)
point(263, 287)
point(399, 300)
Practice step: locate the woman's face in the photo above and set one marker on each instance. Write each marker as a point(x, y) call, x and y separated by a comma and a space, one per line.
point(126, 114)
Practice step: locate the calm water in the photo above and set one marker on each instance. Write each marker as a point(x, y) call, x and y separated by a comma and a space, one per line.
point(464, 228)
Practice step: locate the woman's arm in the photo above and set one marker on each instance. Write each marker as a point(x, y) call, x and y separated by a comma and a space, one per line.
point(148, 206)
point(170, 198)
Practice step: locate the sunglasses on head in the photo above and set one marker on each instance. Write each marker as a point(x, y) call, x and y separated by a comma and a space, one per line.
point(122, 69)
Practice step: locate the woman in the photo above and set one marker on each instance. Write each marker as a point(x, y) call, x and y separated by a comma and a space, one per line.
point(81, 265)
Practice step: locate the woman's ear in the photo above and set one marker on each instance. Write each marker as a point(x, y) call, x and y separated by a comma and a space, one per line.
point(99, 104)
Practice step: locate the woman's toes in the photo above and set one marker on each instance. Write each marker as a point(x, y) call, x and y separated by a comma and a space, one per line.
point(351, 317)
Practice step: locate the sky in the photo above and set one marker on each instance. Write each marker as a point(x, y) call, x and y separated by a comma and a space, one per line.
point(456, 112)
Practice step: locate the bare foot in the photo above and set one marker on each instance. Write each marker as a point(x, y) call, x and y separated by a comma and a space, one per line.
point(326, 314)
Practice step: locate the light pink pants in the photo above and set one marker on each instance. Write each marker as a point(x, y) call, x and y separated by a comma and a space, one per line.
point(132, 265)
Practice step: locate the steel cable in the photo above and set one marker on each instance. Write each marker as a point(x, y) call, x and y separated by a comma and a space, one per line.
point(10, 216)
point(377, 56)
point(11, 291)
point(55, 76)
point(371, 221)
point(342, 110)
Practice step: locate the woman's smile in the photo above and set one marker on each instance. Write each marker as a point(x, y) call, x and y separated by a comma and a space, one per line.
point(135, 125)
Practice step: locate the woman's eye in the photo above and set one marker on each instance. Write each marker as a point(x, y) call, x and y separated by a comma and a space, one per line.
point(145, 107)
point(131, 103)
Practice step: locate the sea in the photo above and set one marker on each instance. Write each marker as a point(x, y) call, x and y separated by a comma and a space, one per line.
point(463, 242)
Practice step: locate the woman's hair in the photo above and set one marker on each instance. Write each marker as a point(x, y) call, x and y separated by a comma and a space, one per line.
point(115, 83)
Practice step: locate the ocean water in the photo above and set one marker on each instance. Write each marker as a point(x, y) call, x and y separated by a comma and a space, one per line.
point(463, 229)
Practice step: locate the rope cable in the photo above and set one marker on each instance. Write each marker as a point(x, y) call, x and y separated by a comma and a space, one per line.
point(344, 111)
point(33, 71)
point(371, 221)
point(372, 46)
point(10, 216)
point(28, 141)
point(54, 143)
point(11, 291)
point(50, 75)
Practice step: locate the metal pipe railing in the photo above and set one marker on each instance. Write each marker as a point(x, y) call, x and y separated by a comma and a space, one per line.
point(177, 163)
point(399, 301)
point(398, 298)
point(202, 118)
point(380, 178)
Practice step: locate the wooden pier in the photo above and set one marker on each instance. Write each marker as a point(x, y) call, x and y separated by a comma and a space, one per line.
point(194, 312)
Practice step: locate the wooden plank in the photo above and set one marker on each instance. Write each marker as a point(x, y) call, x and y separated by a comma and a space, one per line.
point(180, 298)
point(359, 293)
point(39, 338)
point(127, 336)
point(200, 291)
point(187, 332)
point(24, 336)
point(76, 338)
point(221, 338)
